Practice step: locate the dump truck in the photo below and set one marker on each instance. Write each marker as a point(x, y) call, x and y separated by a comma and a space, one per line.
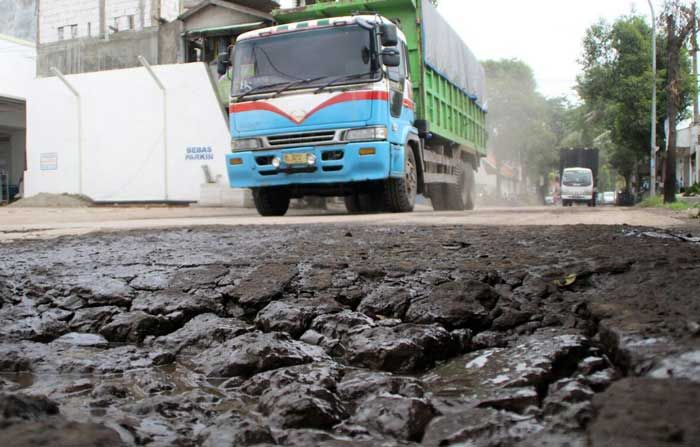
point(578, 174)
point(375, 101)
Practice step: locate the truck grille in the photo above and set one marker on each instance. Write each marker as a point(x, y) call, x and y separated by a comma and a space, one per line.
point(297, 139)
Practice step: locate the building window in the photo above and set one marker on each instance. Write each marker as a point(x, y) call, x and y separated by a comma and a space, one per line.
point(61, 34)
point(73, 31)
point(130, 22)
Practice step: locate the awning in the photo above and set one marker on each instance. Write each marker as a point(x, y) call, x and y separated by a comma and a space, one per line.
point(230, 29)
point(507, 172)
point(489, 166)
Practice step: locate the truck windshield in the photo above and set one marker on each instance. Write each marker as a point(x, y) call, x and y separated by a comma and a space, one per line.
point(306, 58)
point(577, 178)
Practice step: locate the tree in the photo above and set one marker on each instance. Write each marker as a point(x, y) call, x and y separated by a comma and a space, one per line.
point(616, 88)
point(525, 127)
point(680, 21)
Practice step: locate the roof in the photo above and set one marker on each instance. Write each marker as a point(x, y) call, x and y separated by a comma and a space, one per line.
point(311, 24)
point(255, 8)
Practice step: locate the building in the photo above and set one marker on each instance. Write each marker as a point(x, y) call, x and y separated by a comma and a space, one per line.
point(688, 155)
point(18, 19)
point(210, 27)
point(97, 35)
point(17, 72)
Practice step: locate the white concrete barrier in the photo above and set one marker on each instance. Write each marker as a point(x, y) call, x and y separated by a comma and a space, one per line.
point(115, 138)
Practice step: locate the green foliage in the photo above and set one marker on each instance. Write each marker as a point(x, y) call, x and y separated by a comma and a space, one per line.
point(523, 124)
point(693, 190)
point(658, 202)
point(616, 86)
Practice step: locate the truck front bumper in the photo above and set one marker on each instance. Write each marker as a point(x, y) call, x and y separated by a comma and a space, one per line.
point(334, 164)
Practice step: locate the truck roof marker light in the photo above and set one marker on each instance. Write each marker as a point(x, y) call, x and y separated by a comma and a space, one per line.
point(367, 151)
point(302, 25)
point(324, 22)
point(340, 23)
point(283, 28)
point(265, 34)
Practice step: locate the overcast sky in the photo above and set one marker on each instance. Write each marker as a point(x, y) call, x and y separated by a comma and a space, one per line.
point(546, 34)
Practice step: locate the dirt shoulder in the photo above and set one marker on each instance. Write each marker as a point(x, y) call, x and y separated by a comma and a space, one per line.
point(32, 223)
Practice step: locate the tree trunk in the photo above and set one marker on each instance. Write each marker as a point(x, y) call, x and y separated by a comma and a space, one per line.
point(674, 46)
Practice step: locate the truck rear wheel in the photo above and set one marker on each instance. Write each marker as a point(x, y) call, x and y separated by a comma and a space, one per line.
point(438, 196)
point(457, 197)
point(271, 201)
point(400, 193)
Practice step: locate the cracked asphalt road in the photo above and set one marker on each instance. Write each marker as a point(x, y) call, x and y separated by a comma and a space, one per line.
point(351, 334)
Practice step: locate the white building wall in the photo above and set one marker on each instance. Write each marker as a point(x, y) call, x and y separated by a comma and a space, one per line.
point(54, 14)
point(123, 156)
point(118, 12)
point(17, 66)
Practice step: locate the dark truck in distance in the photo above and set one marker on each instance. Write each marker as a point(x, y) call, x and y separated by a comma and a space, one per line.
point(578, 174)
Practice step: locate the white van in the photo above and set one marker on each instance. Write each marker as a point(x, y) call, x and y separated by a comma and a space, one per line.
point(577, 185)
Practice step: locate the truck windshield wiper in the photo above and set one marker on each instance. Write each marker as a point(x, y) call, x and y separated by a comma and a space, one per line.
point(340, 79)
point(293, 84)
point(251, 91)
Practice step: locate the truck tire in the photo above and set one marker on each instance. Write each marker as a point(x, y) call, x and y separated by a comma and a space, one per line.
point(438, 196)
point(460, 197)
point(364, 203)
point(352, 204)
point(400, 193)
point(271, 201)
point(469, 191)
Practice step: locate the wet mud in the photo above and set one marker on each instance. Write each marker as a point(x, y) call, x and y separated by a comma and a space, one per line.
point(351, 336)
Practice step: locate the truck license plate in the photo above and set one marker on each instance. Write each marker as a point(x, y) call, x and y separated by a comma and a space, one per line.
point(296, 159)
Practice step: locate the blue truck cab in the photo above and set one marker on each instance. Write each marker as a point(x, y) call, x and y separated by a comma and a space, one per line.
point(324, 108)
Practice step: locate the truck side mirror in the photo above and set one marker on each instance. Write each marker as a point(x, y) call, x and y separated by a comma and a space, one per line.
point(222, 63)
point(390, 36)
point(391, 57)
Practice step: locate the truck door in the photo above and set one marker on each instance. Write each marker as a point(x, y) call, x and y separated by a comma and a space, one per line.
point(401, 91)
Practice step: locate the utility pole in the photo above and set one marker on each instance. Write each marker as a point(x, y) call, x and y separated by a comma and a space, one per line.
point(652, 155)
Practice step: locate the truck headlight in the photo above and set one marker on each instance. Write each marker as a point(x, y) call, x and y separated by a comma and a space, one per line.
point(245, 144)
point(367, 134)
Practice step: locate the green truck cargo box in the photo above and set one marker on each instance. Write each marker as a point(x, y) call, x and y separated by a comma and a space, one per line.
point(448, 80)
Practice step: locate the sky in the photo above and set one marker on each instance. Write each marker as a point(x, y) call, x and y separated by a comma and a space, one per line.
point(546, 34)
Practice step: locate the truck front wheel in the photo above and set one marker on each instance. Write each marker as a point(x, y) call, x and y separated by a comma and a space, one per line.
point(400, 193)
point(271, 201)
point(360, 203)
